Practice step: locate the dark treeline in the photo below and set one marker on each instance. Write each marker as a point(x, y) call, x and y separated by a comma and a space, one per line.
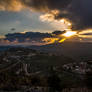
point(55, 82)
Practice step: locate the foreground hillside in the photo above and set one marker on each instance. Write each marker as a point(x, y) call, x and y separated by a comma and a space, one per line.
point(24, 69)
point(36, 60)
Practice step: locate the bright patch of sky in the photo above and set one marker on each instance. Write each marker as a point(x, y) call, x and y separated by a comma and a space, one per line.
point(21, 21)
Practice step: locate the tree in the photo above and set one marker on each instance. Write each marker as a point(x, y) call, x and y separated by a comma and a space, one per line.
point(35, 81)
point(88, 80)
point(54, 82)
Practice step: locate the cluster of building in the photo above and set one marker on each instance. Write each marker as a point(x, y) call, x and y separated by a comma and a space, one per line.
point(80, 67)
point(14, 60)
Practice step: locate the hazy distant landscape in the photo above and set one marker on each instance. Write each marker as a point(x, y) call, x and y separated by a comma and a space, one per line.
point(76, 50)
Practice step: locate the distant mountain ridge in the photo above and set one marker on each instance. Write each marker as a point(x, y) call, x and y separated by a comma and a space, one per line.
point(76, 50)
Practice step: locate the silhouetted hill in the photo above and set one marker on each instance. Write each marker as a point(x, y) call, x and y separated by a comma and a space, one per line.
point(76, 50)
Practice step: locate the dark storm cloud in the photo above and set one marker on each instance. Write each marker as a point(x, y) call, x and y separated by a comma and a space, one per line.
point(28, 36)
point(58, 32)
point(13, 29)
point(46, 5)
point(31, 36)
point(11, 5)
point(79, 12)
point(16, 5)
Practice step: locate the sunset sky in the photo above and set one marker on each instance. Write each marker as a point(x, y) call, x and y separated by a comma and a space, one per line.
point(46, 16)
point(22, 21)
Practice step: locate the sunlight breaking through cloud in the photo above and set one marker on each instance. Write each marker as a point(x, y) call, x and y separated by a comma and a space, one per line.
point(85, 33)
point(69, 33)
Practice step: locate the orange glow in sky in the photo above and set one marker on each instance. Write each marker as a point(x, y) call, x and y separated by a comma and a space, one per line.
point(70, 33)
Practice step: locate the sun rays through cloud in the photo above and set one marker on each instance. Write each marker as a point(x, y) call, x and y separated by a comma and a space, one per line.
point(86, 33)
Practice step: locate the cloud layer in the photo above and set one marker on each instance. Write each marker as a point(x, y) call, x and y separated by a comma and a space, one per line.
point(31, 38)
point(77, 11)
point(37, 38)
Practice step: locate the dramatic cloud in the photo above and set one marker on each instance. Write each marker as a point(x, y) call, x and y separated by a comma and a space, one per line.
point(33, 38)
point(45, 5)
point(37, 38)
point(77, 11)
point(26, 36)
point(57, 32)
point(11, 5)
point(40, 5)
point(86, 34)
